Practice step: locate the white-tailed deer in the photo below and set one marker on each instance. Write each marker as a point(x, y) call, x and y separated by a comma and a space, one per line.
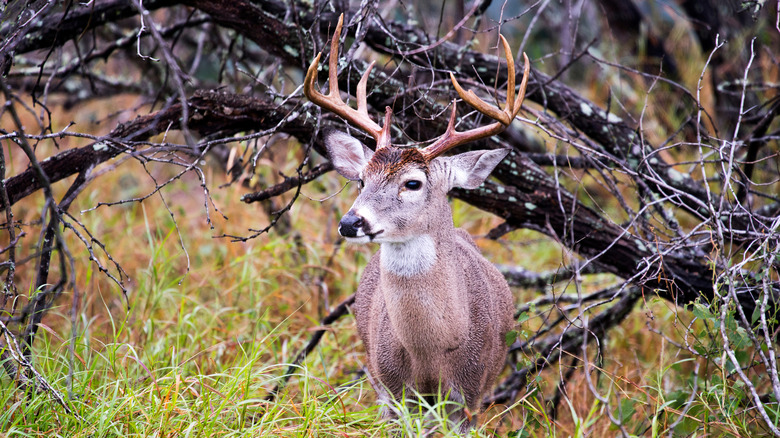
point(431, 311)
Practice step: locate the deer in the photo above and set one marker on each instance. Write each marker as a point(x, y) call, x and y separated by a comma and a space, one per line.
point(431, 311)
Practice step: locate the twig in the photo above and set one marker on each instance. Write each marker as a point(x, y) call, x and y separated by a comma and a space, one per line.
point(288, 184)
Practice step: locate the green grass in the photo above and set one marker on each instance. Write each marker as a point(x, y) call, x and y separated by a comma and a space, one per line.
point(196, 351)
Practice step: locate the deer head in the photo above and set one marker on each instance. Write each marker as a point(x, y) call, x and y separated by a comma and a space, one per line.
point(401, 187)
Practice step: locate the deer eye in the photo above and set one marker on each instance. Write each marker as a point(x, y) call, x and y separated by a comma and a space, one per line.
point(413, 185)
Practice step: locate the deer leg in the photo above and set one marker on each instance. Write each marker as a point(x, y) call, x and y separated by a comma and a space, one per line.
point(383, 398)
point(458, 412)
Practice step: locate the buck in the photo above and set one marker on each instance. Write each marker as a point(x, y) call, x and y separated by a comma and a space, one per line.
point(431, 311)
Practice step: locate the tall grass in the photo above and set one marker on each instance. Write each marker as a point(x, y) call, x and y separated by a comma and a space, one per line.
point(195, 350)
point(210, 327)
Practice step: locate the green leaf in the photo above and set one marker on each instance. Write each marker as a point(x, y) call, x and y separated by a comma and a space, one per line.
point(627, 410)
point(511, 337)
point(756, 315)
point(702, 312)
point(522, 433)
point(523, 317)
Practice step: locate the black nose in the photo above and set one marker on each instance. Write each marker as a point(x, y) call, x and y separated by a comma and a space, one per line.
point(350, 224)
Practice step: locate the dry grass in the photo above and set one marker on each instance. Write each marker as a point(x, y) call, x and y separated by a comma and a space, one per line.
point(210, 325)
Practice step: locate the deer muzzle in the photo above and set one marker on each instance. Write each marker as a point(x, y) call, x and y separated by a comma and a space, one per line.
point(351, 225)
point(356, 228)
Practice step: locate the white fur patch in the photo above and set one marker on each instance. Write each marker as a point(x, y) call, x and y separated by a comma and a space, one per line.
point(369, 218)
point(409, 258)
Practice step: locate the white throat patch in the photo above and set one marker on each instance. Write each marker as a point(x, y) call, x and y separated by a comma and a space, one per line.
point(409, 258)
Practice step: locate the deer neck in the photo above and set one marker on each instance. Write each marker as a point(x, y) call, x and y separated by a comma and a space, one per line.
point(411, 258)
point(424, 292)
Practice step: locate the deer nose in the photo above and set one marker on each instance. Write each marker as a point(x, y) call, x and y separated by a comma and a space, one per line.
point(351, 224)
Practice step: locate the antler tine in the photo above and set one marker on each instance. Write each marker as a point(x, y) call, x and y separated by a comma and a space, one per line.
point(453, 138)
point(333, 61)
point(523, 85)
point(510, 72)
point(361, 90)
point(332, 101)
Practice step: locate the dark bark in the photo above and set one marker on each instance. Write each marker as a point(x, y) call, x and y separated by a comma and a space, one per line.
point(56, 29)
point(716, 21)
point(288, 184)
point(210, 112)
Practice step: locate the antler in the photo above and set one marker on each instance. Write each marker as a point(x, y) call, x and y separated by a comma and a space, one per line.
point(332, 101)
point(453, 138)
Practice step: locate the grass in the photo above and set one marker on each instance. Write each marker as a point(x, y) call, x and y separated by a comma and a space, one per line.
point(195, 351)
point(205, 334)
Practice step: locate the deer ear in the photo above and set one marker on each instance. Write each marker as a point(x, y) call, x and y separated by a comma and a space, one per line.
point(348, 154)
point(470, 169)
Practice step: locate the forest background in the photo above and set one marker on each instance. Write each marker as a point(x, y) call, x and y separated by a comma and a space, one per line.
point(170, 259)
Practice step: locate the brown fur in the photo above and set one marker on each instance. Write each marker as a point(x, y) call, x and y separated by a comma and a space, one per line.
point(442, 331)
point(432, 312)
point(390, 161)
point(460, 349)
